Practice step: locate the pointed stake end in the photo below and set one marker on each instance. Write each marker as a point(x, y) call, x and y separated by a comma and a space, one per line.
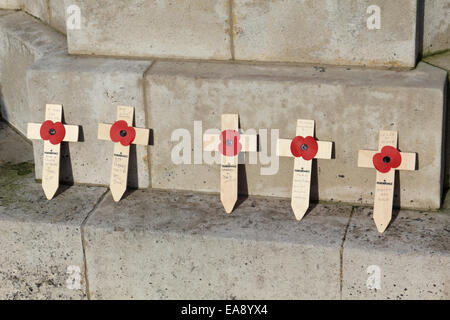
point(381, 227)
point(228, 202)
point(50, 192)
point(228, 208)
point(299, 211)
point(117, 194)
point(382, 221)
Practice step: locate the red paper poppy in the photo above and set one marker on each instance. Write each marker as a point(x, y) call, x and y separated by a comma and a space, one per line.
point(232, 146)
point(304, 147)
point(121, 132)
point(53, 131)
point(389, 158)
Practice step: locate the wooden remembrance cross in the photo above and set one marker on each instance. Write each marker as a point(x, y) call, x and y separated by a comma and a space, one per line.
point(53, 132)
point(229, 143)
point(122, 133)
point(386, 160)
point(304, 148)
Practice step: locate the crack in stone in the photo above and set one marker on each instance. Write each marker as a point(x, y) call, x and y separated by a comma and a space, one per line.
point(83, 241)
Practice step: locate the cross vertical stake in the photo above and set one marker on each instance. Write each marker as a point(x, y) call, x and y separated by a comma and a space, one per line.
point(229, 143)
point(304, 148)
point(53, 132)
point(386, 160)
point(122, 133)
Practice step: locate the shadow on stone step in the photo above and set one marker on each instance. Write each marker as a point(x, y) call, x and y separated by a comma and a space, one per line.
point(397, 198)
point(420, 28)
point(65, 167)
point(242, 186)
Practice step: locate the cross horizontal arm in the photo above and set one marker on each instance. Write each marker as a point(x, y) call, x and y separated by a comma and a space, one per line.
point(34, 132)
point(142, 135)
point(324, 151)
point(211, 142)
point(408, 160)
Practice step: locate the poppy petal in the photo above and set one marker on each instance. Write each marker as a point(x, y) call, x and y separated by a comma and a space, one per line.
point(45, 129)
point(114, 132)
point(129, 138)
point(313, 147)
point(230, 143)
point(393, 154)
point(60, 133)
point(296, 146)
point(379, 164)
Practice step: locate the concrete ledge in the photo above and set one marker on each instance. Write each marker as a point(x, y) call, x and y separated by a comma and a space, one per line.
point(350, 106)
point(412, 256)
point(42, 253)
point(162, 245)
point(90, 89)
point(176, 245)
point(23, 40)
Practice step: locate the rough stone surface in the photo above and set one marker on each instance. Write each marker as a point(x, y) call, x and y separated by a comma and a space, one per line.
point(350, 106)
point(90, 89)
point(37, 8)
point(443, 61)
point(177, 245)
point(58, 15)
point(40, 239)
point(322, 31)
point(13, 147)
point(23, 40)
point(436, 26)
point(413, 256)
point(5, 12)
point(176, 28)
point(11, 4)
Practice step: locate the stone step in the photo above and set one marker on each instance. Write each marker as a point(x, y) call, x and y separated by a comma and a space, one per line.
point(23, 40)
point(321, 31)
point(178, 245)
point(42, 239)
point(52, 12)
point(350, 106)
point(443, 61)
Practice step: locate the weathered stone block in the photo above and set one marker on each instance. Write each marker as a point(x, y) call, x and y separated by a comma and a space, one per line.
point(443, 61)
point(13, 147)
point(190, 29)
point(23, 40)
point(436, 35)
point(411, 260)
point(11, 4)
point(90, 89)
point(37, 8)
point(176, 245)
point(58, 15)
point(349, 106)
point(330, 32)
point(42, 254)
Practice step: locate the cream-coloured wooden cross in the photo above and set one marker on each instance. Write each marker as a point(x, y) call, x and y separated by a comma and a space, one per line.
point(304, 148)
point(386, 160)
point(122, 133)
point(53, 132)
point(229, 143)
